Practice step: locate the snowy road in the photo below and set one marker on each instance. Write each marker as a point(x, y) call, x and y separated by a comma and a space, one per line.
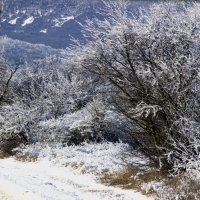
point(44, 181)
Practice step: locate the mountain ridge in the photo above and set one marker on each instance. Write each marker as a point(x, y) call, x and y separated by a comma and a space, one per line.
point(46, 22)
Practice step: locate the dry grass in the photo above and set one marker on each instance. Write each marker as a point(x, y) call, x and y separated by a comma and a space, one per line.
point(19, 157)
point(182, 185)
point(74, 165)
point(25, 158)
point(132, 178)
point(4, 155)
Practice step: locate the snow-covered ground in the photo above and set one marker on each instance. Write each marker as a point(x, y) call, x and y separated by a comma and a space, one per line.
point(44, 181)
point(53, 177)
point(3, 197)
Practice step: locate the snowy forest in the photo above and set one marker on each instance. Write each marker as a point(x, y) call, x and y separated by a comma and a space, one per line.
point(121, 104)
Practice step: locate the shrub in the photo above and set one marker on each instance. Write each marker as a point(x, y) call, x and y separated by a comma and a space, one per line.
point(150, 65)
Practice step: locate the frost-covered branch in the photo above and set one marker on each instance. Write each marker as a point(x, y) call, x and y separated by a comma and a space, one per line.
point(152, 60)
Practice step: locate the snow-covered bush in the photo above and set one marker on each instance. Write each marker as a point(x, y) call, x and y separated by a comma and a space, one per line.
point(10, 136)
point(85, 125)
point(95, 158)
point(53, 103)
point(151, 64)
point(6, 75)
point(44, 86)
point(91, 124)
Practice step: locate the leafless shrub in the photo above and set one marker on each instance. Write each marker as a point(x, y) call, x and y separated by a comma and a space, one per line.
point(150, 62)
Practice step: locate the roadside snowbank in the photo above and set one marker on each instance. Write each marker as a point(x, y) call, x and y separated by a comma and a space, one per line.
point(91, 158)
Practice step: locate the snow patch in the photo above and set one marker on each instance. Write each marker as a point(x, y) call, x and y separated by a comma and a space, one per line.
point(29, 20)
point(43, 31)
point(13, 21)
point(59, 22)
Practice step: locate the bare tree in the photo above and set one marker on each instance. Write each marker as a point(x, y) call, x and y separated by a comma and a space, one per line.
point(151, 64)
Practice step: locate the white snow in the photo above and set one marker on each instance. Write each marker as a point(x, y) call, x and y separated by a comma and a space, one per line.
point(43, 31)
point(59, 22)
point(90, 158)
point(13, 21)
point(43, 180)
point(29, 20)
point(67, 173)
point(17, 193)
point(3, 197)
